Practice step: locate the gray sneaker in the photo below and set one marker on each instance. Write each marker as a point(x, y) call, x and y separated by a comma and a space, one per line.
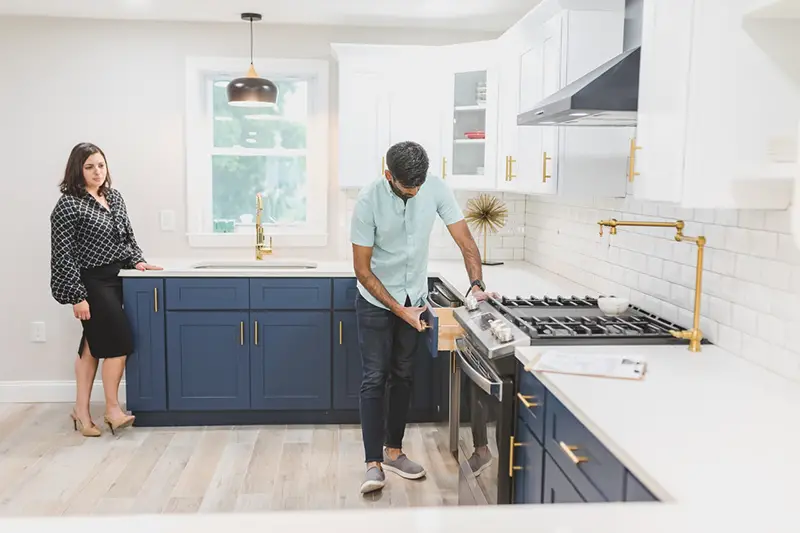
point(374, 480)
point(478, 463)
point(403, 466)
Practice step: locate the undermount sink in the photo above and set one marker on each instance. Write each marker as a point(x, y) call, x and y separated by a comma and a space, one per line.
point(266, 264)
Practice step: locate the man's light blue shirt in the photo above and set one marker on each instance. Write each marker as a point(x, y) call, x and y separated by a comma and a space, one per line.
point(399, 234)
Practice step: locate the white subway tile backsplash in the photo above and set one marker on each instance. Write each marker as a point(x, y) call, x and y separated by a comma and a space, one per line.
point(751, 278)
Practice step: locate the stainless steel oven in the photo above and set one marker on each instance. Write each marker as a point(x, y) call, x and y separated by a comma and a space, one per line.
point(484, 407)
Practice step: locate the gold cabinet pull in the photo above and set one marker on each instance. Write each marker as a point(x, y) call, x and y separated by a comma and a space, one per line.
point(155, 299)
point(511, 466)
point(340, 332)
point(632, 160)
point(241, 333)
point(545, 159)
point(444, 168)
point(383, 165)
point(570, 451)
point(255, 332)
point(525, 402)
point(510, 168)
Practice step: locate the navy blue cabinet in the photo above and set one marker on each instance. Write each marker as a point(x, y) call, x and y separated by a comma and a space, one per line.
point(146, 371)
point(290, 361)
point(208, 358)
point(233, 350)
point(529, 457)
point(557, 488)
point(635, 491)
point(346, 361)
point(566, 462)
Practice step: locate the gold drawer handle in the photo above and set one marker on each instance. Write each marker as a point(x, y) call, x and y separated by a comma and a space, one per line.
point(340, 332)
point(525, 402)
point(255, 332)
point(155, 299)
point(241, 333)
point(570, 451)
point(511, 466)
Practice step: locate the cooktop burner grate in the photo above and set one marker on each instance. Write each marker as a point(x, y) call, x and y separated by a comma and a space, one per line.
point(634, 325)
point(546, 301)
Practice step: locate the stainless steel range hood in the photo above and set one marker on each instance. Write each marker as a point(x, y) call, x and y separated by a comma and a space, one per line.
point(606, 96)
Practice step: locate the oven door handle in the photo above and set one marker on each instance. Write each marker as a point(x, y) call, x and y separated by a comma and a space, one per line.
point(493, 388)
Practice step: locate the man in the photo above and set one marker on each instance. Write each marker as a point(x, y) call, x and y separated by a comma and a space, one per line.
point(390, 233)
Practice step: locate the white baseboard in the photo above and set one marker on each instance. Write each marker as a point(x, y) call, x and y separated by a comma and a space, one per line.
point(49, 391)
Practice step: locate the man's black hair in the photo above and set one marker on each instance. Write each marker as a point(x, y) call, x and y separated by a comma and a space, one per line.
point(408, 163)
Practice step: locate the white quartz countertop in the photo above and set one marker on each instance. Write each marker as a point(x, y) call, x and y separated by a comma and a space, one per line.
point(713, 435)
point(704, 428)
point(511, 278)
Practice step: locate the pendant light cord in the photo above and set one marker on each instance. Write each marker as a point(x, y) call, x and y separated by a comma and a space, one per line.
point(251, 40)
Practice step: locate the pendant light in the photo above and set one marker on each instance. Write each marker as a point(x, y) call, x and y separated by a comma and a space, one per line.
point(251, 90)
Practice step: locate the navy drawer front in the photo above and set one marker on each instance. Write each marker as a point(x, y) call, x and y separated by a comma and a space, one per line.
point(531, 402)
point(290, 293)
point(598, 475)
point(189, 294)
point(635, 491)
point(344, 293)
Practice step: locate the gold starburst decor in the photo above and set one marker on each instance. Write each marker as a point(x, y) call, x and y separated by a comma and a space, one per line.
point(486, 213)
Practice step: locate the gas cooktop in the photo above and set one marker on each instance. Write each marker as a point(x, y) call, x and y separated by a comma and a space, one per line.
point(558, 320)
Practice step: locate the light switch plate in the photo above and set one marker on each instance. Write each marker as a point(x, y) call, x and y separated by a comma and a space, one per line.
point(167, 220)
point(38, 333)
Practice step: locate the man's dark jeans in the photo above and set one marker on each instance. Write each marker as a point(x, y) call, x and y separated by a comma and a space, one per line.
point(388, 347)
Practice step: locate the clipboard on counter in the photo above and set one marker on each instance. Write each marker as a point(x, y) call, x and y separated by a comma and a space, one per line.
point(589, 364)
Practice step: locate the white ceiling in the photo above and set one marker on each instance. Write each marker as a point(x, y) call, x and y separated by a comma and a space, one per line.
point(488, 15)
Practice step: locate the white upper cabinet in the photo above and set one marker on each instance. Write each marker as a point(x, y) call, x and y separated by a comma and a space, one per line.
point(547, 50)
point(387, 94)
point(717, 125)
point(469, 114)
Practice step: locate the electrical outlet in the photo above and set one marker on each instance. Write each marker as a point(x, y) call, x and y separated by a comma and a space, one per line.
point(167, 220)
point(38, 333)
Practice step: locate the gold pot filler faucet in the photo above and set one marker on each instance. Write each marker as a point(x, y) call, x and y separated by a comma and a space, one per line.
point(262, 248)
point(694, 335)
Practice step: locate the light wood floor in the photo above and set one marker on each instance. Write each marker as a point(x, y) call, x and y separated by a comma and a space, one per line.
point(46, 468)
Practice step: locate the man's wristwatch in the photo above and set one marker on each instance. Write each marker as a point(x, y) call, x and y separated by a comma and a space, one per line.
point(477, 283)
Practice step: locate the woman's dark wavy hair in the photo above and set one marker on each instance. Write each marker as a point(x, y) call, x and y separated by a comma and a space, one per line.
point(73, 183)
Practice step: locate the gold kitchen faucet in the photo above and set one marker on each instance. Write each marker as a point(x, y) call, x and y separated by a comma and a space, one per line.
point(694, 335)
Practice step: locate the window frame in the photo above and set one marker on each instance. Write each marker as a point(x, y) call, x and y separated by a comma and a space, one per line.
point(199, 125)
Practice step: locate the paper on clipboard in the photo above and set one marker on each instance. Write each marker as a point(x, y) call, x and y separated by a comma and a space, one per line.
point(591, 364)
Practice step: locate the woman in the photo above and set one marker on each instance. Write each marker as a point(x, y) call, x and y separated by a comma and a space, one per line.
point(91, 241)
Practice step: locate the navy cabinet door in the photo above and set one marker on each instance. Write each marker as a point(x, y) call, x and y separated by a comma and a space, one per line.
point(290, 360)
point(529, 456)
point(146, 371)
point(346, 361)
point(557, 488)
point(208, 360)
point(635, 491)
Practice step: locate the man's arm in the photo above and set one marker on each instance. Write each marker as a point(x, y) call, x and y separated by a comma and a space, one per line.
point(362, 256)
point(472, 257)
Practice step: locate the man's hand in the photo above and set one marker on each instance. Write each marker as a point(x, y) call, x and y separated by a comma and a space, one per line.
point(412, 316)
point(482, 296)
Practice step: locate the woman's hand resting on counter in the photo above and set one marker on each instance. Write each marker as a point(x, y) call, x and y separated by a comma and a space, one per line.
point(147, 266)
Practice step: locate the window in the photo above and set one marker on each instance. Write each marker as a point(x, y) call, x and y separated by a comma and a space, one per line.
point(234, 153)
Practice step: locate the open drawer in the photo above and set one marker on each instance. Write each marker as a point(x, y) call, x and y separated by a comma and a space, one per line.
point(443, 329)
point(449, 329)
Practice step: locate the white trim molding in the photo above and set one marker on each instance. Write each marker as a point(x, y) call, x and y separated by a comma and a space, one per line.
point(199, 130)
point(49, 391)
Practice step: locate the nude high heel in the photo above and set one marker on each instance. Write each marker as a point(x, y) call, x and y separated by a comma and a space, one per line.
point(119, 423)
point(91, 431)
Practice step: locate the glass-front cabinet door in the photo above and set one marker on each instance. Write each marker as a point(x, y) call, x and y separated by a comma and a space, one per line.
point(469, 144)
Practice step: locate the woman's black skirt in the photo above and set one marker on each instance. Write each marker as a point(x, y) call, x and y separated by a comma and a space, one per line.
point(107, 331)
